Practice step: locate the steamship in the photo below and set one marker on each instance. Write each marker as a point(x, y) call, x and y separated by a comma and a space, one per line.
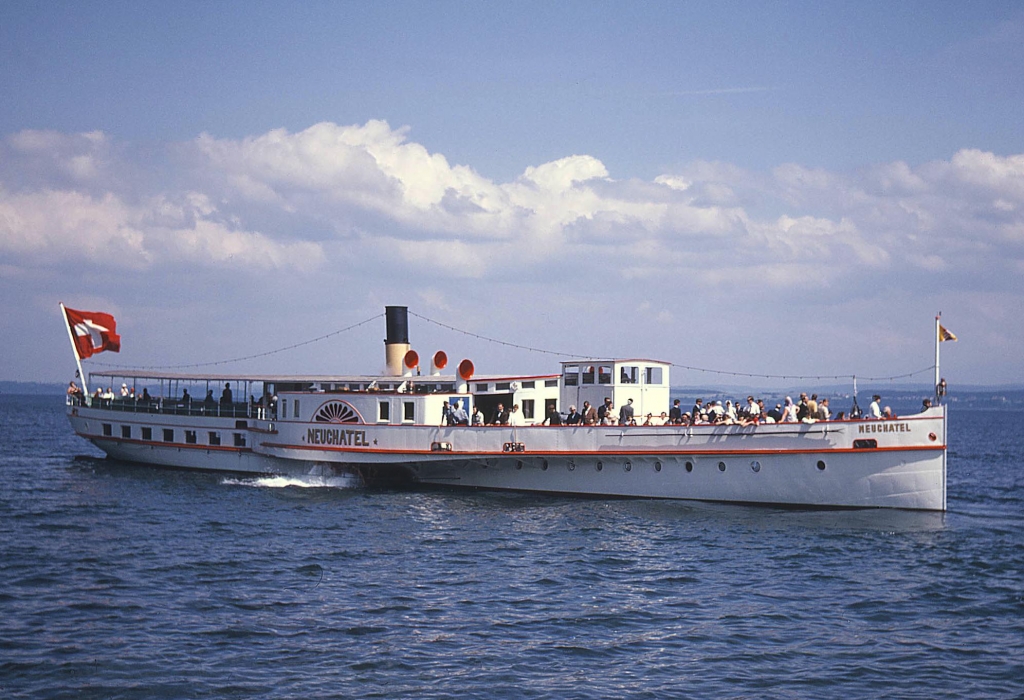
point(392, 429)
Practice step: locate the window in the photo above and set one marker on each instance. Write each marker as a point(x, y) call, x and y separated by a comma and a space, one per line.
point(284, 408)
point(190, 437)
point(409, 411)
point(550, 382)
point(295, 409)
point(168, 434)
point(529, 385)
point(108, 429)
point(653, 375)
point(481, 387)
point(588, 375)
point(572, 375)
point(604, 374)
point(214, 438)
point(503, 386)
point(629, 375)
point(147, 433)
point(126, 432)
point(383, 411)
point(527, 408)
point(239, 439)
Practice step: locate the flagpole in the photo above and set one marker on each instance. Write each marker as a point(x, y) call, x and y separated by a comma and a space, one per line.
point(74, 349)
point(935, 384)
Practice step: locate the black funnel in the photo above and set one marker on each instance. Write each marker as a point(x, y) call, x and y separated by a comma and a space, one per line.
point(397, 318)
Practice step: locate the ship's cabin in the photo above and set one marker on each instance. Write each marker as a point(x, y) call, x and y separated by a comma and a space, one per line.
point(646, 382)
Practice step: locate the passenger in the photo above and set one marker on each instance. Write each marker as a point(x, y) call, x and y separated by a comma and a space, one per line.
point(553, 417)
point(626, 413)
point(753, 410)
point(812, 407)
point(459, 415)
point(225, 397)
point(664, 419)
point(574, 417)
point(647, 420)
point(875, 409)
point(209, 401)
point(730, 411)
point(478, 417)
point(823, 412)
point(609, 414)
point(697, 409)
point(108, 395)
point(515, 418)
point(887, 414)
point(775, 415)
point(589, 414)
point(789, 412)
point(802, 408)
point(841, 416)
point(186, 400)
point(675, 415)
point(500, 416)
point(715, 412)
point(146, 398)
point(124, 391)
point(602, 410)
point(926, 404)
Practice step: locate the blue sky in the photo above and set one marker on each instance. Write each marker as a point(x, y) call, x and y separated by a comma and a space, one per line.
point(778, 188)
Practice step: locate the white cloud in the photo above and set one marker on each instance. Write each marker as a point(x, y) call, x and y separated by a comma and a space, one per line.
point(346, 210)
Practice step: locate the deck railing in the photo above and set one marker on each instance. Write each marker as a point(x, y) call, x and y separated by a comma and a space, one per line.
point(176, 407)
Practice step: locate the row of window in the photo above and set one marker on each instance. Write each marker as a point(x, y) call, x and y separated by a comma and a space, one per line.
point(408, 411)
point(602, 374)
point(507, 386)
point(191, 436)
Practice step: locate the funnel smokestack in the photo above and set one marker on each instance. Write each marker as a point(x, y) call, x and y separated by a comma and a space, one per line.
point(396, 344)
point(397, 318)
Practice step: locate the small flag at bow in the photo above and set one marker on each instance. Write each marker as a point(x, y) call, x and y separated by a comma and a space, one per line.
point(944, 334)
point(93, 332)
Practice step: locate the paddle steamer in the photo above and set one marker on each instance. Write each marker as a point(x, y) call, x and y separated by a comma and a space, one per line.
point(391, 428)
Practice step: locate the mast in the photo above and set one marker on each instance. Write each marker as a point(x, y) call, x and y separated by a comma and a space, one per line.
point(74, 349)
point(937, 336)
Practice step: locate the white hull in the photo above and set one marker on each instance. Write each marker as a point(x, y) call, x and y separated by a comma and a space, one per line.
point(902, 464)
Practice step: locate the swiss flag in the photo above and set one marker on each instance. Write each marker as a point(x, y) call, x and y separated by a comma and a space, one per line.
point(93, 332)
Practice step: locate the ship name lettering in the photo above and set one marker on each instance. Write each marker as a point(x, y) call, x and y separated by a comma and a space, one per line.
point(337, 436)
point(882, 427)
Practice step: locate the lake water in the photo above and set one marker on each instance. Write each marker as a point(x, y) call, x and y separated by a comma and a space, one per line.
point(121, 581)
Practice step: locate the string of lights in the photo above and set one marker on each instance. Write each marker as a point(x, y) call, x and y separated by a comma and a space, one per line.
point(256, 355)
point(801, 377)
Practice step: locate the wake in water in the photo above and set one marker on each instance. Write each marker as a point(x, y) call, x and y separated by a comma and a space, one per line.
point(341, 481)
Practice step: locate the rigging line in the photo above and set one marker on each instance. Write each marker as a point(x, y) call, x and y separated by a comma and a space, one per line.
point(251, 357)
point(687, 367)
point(492, 340)
point(803, 376)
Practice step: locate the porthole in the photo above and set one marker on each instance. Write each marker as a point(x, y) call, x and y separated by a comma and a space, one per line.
point(821, 466)
point(519, 464)
point(657, 466)
point(755, 466)
point(721, 466)
point(571, 465)
point(600, 466)
point(544, 466)
point(933, 437)
point(628, 466)
point(689, 466)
